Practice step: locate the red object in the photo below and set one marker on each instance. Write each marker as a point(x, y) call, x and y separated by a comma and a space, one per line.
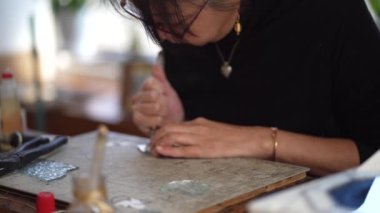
point(7, 75)
point(45, 202)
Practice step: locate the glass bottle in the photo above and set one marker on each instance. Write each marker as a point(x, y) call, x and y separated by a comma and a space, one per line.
point(90, 195)
point(10, 106)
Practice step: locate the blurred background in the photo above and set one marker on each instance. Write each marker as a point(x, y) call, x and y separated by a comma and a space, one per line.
point(77, 62)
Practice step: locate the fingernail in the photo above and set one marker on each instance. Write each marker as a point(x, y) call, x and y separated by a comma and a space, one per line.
point(150, 80)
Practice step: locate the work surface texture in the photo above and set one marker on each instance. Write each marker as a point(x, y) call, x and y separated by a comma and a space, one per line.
point(134, 174)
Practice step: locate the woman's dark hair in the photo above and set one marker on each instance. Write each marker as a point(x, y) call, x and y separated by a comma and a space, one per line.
point(170, 14)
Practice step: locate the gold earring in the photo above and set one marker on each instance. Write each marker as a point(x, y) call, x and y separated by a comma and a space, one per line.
point(238, 26)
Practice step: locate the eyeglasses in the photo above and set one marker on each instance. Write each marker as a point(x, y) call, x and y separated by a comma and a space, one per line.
point(185, 26)
point(177, 30)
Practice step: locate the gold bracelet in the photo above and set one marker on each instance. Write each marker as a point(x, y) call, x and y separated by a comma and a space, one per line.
point(275, 142)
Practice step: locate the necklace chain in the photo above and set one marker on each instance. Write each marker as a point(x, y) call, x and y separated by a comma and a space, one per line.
point(226, 67)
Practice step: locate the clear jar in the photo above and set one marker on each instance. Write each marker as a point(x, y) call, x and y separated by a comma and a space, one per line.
point(11, 118)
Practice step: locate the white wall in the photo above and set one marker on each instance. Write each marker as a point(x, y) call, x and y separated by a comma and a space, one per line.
point(14, 25)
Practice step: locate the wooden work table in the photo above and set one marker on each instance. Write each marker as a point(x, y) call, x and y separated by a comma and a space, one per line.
point(232, 182)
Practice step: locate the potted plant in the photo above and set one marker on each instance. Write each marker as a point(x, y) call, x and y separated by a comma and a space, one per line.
point(375, 5)
point(73, 5)
point(67, 14)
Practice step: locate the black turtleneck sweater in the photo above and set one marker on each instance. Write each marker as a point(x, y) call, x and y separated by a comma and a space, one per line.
point(305, 66)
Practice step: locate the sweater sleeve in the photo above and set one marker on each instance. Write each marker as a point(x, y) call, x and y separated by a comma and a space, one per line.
point(357, 88)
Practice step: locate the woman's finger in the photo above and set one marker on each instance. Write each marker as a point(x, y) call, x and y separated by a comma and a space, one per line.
point(175, 130)
point(149, 109)
point(145, 122)
point(179, 151)
point(146, 96)
point(159, 73)
point(152, 84)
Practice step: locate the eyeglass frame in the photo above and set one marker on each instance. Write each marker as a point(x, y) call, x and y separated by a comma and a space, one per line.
point(180, 36)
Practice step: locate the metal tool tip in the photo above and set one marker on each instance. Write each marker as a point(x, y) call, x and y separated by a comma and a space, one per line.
point(102, 130)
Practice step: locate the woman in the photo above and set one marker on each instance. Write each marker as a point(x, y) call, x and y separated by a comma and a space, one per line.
point(294, 81)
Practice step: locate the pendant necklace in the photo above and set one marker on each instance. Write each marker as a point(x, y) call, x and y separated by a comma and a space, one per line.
point(226, 67)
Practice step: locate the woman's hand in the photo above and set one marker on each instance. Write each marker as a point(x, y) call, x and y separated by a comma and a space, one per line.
point(202, 138)
point(156, 103)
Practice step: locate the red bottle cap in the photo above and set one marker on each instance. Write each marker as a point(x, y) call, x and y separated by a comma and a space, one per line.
point(45, 202)
point(7, 75)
